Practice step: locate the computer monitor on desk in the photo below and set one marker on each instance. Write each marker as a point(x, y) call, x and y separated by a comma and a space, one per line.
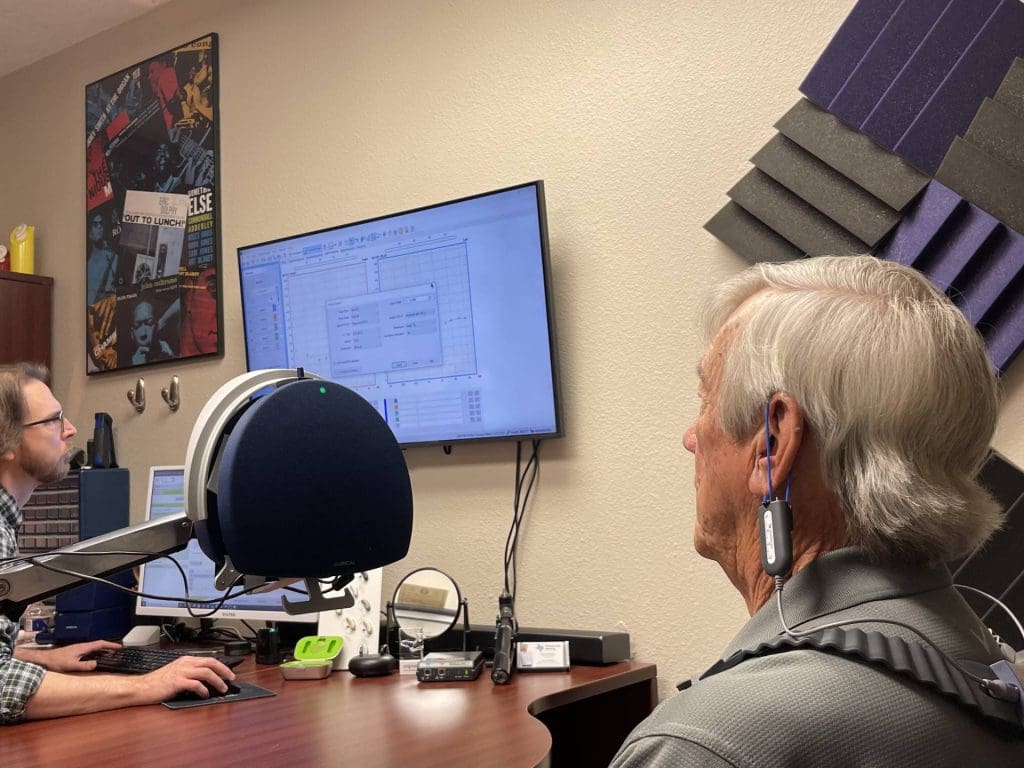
point(160, 577)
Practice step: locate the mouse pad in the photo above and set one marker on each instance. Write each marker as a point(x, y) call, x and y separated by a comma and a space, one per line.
point(245, 691)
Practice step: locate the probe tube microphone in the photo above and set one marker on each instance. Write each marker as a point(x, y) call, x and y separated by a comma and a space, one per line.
point(501, 672)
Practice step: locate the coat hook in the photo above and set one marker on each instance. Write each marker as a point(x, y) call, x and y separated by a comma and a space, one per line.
point(170, 395)
point(138, 397)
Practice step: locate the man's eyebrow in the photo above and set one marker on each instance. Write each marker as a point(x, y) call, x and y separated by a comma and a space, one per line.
point(700, 371)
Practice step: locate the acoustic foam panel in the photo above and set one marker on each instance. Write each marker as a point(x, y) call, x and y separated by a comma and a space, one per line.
point(885, 58)
point(1005, 335)
point(850, 206)
point(846, 49)
point(808, 229)
point(922, 74)
point(750, 238)
point(999, 132)
point(998, 265)
point(985, 181)
point(920, 225)
point(1011, 90)
point(976, 74)
point(964, 235)
point(857, 157)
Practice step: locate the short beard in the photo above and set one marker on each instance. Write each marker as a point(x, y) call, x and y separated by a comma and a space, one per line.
point(46, 473)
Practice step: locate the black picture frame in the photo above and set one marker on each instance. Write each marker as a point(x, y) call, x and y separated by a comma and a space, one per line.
point(153, 255)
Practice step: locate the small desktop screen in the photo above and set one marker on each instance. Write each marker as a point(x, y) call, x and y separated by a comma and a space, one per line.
point(440, 317)
point(161, 577)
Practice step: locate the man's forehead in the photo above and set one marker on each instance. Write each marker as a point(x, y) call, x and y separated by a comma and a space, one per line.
point(38, 397)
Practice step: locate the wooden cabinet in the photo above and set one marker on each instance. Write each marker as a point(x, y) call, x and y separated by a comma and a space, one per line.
point(26, 318)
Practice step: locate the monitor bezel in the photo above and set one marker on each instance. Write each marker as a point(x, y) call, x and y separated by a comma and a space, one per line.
point(556, 392)
point(175, 612)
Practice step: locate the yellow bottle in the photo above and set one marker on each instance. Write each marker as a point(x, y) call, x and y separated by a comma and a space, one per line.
point(23, 239)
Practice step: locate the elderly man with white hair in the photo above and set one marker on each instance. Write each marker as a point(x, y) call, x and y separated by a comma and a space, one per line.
point(848, 396)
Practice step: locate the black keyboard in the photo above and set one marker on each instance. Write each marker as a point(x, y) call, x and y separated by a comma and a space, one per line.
point(139, 661)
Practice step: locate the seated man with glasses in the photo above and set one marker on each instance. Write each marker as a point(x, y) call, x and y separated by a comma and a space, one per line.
point(35, 448)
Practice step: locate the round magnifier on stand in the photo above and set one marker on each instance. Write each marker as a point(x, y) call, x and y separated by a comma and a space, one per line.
point(425, 605)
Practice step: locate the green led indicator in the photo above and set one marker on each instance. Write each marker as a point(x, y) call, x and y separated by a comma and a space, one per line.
point(323, 390)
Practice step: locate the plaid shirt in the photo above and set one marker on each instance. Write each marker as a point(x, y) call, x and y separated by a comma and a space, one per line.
point(18, 679)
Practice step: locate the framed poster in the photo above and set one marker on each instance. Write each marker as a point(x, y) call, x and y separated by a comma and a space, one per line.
point(152, 229)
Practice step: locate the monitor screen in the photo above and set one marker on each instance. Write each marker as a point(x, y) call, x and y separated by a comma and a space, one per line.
point(160, 577)
point(440, 317)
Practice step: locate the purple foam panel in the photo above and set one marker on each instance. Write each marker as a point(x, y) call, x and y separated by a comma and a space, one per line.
point(918, 228)
point(893, 47)
point(999, 266)
point(976, 74)
point(1006, 336)
point(953, 249)
point(926, 69)
point(847, 47)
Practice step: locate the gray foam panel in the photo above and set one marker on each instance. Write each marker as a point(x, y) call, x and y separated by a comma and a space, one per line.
point(985, 181)
point(883, 174)
point(851, 206)
point(750, 238)
point(798, 222)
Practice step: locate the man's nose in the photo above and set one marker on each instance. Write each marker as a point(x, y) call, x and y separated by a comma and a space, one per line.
point(690, 440)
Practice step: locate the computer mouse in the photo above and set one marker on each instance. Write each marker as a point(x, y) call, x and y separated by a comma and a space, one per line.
point(213, 692)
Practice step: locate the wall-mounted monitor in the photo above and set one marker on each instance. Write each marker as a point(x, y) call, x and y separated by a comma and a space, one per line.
point(441, 316)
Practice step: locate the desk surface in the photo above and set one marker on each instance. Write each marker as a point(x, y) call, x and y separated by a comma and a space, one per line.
point(344, 720)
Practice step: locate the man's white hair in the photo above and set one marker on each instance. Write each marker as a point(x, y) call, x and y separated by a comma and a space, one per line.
point(894, 382)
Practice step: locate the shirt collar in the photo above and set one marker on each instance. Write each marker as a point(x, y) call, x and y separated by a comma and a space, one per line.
point(836, 581)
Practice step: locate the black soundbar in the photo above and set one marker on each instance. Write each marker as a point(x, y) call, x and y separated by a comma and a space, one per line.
point(586, 646)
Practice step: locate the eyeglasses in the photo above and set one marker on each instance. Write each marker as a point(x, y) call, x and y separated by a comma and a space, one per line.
point(145, 321)
point(59, 417)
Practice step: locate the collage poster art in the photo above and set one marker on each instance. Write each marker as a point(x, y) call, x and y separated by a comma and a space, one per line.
point(152, 229)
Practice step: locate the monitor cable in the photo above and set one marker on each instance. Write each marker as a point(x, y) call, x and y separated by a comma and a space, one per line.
point(506, 624)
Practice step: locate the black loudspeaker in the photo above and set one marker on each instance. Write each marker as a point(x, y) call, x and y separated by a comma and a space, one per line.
point(103, 501)
point(268, 646)
point(312, 482)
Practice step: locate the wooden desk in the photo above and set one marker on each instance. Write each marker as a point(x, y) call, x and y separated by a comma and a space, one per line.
point(365, 722)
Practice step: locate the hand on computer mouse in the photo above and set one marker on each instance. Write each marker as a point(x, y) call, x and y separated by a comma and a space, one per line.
point(198, 674)
point(211, 693)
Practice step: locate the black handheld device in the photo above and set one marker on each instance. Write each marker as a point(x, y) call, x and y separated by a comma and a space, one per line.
point(501, 673)
point(775, 524)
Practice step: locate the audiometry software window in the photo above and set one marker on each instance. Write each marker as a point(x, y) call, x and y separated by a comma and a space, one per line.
point(438, 317)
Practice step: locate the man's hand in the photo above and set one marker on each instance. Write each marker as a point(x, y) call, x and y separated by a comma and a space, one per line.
point(68, 658)
point(186, 674)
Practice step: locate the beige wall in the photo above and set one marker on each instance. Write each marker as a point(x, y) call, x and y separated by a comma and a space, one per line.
point(638, 116)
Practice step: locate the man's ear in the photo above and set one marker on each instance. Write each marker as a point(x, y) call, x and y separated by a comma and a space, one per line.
point(781, 442)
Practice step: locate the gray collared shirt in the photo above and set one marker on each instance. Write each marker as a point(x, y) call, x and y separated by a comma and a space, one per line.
point(807, 708)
